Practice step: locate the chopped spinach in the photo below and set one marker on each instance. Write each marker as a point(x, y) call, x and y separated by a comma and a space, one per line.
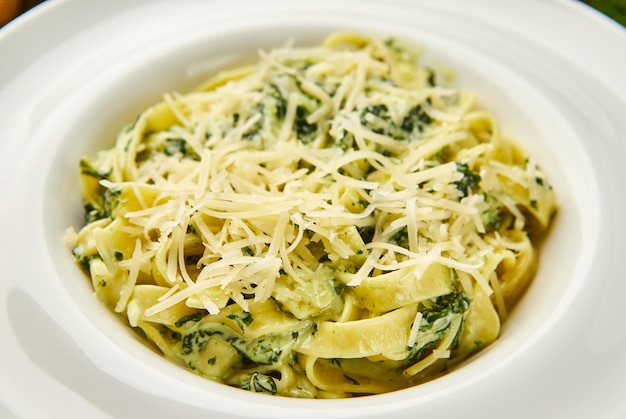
point(305, 131)
point(255, 129)
point(195, 317)
point(469, 181)
point(264, 352)
point(86, 168)
point(279, 101)
point(82, 260)
point(334, 361)
point(242, 319)
point(111, 199)
point(400, 238)
point(174, 145)
point(344, 141)
point(179, 147)
point(195, 341)
point(266, 349)
point(109, 202)
point(352, 380)
point(453, 303)
point(104, 201)
point(380, 110)
point(170, 336)
point(492, 218)
point(377, 119)
point(431, 80)
point(93, 213)
point(437, 316)
point(415, 120)
point(260, 383)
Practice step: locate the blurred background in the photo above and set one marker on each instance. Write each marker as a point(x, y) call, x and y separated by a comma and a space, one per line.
point(615, 9)
point(9, 9)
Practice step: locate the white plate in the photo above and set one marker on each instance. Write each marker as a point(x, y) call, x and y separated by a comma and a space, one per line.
point(73, 72)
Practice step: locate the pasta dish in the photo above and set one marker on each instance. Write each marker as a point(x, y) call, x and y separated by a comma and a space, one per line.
point(333, 221)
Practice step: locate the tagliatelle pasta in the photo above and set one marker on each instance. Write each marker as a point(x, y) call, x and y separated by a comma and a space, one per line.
point(330, 222)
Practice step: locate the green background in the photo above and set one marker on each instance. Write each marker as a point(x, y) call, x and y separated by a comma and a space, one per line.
point(615, 9)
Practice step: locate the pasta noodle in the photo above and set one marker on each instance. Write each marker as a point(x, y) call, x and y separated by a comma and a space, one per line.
point(330, 222)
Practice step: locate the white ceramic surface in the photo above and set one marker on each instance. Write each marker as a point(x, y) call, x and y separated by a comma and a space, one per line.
point(72, 72)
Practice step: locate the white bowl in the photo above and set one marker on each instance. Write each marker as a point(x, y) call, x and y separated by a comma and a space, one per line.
point(119, 59)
